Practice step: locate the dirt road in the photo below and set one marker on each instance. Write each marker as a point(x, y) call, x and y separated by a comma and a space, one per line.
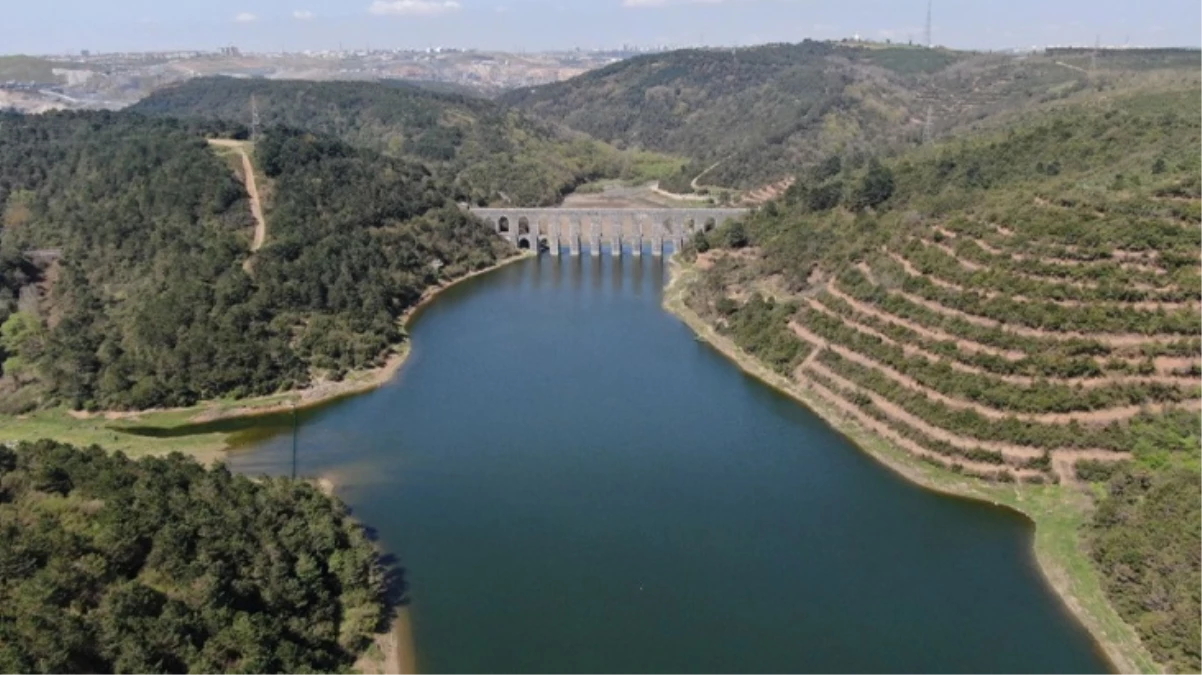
point(256, 205)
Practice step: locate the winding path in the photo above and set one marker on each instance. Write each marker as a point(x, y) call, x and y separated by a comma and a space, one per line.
point(694, 183)
point(252, 189)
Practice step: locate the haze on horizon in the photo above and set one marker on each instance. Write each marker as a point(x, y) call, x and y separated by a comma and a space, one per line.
point(65, 26)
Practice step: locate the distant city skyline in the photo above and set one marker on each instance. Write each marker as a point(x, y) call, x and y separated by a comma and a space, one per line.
point(66, 26)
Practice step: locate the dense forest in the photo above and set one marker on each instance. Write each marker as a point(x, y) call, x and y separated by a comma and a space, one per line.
point(160, 565)
point(1146, 542)
point(485, 151)
point(148, 302)
point(1001, 303)
point(750, 116)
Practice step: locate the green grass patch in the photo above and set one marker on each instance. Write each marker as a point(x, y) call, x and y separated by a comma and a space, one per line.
point(61, 426)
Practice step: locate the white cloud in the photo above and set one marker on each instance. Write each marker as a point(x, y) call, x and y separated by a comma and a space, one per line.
point(245, 17)
point(665, 3)
point(302, 14)
point(413, 7)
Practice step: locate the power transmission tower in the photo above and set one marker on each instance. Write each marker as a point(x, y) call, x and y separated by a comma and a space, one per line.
point(927, 32)
point(254, 118)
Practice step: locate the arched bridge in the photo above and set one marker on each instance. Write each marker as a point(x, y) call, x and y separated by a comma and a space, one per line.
point(554, 228)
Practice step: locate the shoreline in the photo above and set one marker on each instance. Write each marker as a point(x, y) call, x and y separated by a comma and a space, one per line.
point(396, 647)
point(1055, 512)
point(356, 382)
point(319, 393)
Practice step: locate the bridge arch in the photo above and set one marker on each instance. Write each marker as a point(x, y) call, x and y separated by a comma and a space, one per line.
point(528, 228)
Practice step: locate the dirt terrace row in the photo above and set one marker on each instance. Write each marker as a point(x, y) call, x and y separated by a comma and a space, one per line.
point(1108, 339)
point(1097, 417)
point(1144, 261)
point(1162, 285)
point(1151, 305)
point(911, 350)
point(1062, 459)
point(886, 431)
point(1164, 365)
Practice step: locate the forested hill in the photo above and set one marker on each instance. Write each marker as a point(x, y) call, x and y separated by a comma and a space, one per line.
point(488, 152)
point(150, 302)
point(761, 112)
point(1019, 304)
point(163, 566)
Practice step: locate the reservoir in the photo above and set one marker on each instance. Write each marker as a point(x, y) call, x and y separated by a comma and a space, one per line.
point(573, 483)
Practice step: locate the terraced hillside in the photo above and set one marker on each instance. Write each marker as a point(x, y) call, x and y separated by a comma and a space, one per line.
point(1021, 306)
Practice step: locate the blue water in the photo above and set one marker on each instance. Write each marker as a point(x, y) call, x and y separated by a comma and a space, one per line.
point(573, 483)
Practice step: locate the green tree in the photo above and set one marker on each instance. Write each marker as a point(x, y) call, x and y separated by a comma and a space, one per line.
point(736, 235)
point(23, 340)
point(875, 187)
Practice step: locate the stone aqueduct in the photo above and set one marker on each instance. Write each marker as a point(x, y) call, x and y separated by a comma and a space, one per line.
point(554, 228)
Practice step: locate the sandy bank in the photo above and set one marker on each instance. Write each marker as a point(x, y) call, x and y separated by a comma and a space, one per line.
point(392, 652)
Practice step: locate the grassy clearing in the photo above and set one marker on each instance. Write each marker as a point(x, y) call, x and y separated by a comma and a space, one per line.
point(1059, 512)
point(647, 166)
point(59, 425)
point(111, 430)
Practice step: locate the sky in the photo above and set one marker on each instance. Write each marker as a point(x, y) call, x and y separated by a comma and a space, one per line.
point(65, 26)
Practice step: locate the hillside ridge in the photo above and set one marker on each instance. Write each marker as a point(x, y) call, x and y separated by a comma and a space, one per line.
point(767, 111)
point(1019, 304)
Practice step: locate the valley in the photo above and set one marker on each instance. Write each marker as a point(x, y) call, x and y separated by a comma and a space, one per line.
point(980, 269)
